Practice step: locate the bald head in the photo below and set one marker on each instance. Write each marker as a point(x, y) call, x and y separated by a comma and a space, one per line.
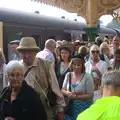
point(50, 44)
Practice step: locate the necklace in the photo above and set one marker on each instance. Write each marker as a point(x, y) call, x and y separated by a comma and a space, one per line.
point(64, 65)
point(76, 79)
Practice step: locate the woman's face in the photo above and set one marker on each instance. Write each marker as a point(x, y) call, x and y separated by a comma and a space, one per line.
point(15, 77)
point(65, 54)
point(77, 65)
point(94, 54)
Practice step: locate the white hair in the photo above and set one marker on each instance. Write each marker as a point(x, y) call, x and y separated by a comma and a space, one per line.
point(14, 64)
point(111, 78)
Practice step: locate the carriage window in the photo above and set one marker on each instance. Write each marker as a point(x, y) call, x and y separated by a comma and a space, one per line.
point(11, 33)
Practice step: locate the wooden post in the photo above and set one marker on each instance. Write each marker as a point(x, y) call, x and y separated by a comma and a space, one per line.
point(1, 35)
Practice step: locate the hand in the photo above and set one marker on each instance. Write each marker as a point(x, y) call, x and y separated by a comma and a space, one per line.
point(60, 116)
point(71, 95)
point(9, 118)
point(95, 69)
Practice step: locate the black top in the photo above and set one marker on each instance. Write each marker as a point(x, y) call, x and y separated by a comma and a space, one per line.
point(27, 105)
point(60, 76)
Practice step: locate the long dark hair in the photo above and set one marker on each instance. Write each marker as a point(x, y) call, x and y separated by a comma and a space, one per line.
point(116, 62)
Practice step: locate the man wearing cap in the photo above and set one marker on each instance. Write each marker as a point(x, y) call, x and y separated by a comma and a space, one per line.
point(41, 76)
point(15, 54)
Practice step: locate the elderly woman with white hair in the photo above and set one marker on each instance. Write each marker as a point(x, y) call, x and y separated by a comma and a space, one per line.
point(108, 107)
point(19, 101)
point(95, 66)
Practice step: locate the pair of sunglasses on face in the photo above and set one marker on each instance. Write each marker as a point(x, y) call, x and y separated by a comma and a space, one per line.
point(95, 52)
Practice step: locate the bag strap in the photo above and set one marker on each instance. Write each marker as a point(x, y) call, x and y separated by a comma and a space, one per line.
point(70, 81)
point(26, 73)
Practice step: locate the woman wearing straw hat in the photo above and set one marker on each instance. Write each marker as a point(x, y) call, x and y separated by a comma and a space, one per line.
point(41, 76)
point(63, 66)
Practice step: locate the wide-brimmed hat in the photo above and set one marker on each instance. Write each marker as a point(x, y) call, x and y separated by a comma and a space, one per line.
point(28, 43)
point(70, 46)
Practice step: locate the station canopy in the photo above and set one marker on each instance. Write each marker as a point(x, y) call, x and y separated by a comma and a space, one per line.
point(91, 10)
point(77, 5)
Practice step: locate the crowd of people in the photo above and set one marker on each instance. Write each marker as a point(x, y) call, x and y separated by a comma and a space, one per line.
point(64, 81)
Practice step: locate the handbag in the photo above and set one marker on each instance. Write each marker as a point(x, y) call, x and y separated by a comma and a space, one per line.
point(51, 97)
point(68, 107)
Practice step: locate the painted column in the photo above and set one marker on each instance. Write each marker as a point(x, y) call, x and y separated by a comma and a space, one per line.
point(1, 35)
point(92, 20)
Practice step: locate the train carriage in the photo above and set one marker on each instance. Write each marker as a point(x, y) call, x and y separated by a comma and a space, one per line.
point(16, 24)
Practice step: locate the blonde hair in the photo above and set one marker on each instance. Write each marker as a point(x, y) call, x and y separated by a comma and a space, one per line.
point(2, 57)
point(94, 47)
point(104, 45)
point(83, 50)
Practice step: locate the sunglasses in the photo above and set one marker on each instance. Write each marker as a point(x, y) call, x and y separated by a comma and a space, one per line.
point(95, 52)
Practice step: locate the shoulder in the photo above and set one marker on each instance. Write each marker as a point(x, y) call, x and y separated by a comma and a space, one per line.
point(44, 62)
point(30, 92)
point(102, 62)
point(5, 92)
point(87, 63)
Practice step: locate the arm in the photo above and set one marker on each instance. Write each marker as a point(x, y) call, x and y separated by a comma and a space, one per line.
point(51, 59)
point(64, 87)
point(38, 108)
point(55, 88)
point(5, 77)
point(107, 61)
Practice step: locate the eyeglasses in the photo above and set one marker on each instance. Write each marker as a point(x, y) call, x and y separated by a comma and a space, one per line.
point(15, 76)
point(95, 52)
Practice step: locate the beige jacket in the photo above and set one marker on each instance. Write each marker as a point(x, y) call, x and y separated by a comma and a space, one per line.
point(38, 73)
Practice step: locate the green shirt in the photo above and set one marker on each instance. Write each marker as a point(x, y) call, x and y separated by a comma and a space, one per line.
point(104, 109)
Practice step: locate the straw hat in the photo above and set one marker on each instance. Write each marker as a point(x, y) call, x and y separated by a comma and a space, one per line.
point(58, 43)
point(70, 46)
point(28, 43)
